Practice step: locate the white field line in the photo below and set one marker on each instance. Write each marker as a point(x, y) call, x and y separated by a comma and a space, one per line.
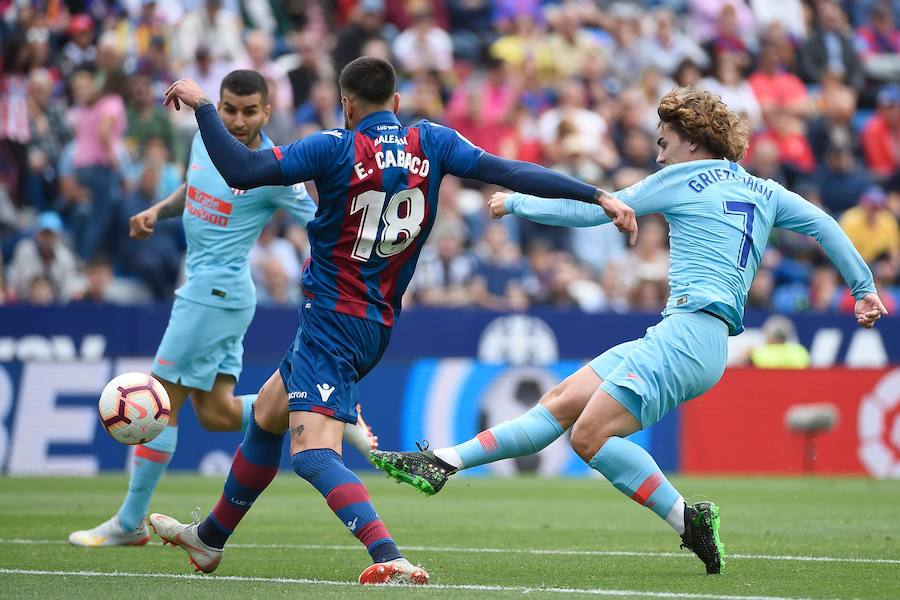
point(437, 586)
point(536, 552)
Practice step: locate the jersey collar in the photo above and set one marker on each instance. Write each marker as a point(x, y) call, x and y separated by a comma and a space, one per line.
point(381, 117)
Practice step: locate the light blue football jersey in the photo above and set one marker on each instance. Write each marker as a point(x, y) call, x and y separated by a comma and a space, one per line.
point(720, 218)
point(222, 224)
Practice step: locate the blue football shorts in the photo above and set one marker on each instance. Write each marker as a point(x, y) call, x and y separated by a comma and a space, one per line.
point(201, 342)
point(330, 354)
point(678, 359)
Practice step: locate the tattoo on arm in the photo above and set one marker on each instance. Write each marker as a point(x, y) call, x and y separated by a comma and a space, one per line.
point(296, 431)
point(203, 101)
point(173, 206)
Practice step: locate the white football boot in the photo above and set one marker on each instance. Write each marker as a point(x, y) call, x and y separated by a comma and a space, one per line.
point(173, 533)
point(393, 571)
point(110, 533)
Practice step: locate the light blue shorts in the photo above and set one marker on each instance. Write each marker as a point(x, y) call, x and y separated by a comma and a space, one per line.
point(677, 359)
point(200, 342)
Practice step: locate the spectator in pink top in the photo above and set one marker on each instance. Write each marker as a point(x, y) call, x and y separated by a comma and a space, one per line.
point(99, 139)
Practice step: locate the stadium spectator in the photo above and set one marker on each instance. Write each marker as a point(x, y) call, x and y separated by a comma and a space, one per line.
point(214, 27)
point(523, 41)
point(648, 263)
point(501, 276)
point(774, 85)
point(313, 65)
point(721, 21)
point(44, 256)
point(570, 43)
point(99, 130)
point(879, 44)
point(15, 132)
point(277, 281)
point(791, 14)
point(156, 261)
point(729, 36)
point(834, 123)
point(780, 350)
point(424, 46)
point(367, 23)
point(79, 52)
point(321, 111)
point(839, 181)
point(737, 93)
point(881, 135)
point(49, 134)
point(146, 118)
point(830, 49)
point(759, 296)
point(445, 271)
point(668, 46)
point(872, 228)
point(260, 46)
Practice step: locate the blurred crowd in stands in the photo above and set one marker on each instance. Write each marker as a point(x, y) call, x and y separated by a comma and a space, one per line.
point(85, 142)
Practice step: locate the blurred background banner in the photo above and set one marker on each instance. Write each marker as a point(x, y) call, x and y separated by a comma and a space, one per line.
point(82, 332)
point(451, 373)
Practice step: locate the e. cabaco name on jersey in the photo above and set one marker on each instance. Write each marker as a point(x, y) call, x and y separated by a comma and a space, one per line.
point(394, 158)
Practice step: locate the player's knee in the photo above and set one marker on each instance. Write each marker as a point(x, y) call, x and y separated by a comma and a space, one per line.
point(586, 441)
point(309, 464)
point(558, 401)
point(215, 420)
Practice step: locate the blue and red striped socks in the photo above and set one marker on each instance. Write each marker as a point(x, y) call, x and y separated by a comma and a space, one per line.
point(348, 498)
point(634, 473)
point(254, 467)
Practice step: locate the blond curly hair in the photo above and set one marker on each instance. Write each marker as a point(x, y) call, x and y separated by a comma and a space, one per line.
point(702, 118)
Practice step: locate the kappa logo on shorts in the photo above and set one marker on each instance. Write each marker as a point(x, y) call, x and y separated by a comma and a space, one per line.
point(325, 390)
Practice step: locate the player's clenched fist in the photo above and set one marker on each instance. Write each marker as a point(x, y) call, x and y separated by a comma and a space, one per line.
point(621, 214)
point(869, 309)
point(187, 92)
point(142, 224)
point(497, 205)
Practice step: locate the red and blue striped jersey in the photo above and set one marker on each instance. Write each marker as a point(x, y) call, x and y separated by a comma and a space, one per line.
point(378, 193)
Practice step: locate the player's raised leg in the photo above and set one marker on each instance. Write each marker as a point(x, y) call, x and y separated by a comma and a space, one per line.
point(529, 433)
point(254, 466)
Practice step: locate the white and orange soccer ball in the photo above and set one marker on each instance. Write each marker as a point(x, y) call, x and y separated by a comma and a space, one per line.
point(134, 408)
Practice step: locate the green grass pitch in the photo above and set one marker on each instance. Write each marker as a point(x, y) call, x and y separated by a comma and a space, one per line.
point(479, 538)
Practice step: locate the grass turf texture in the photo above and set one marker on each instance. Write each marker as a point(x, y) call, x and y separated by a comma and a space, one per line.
point(513, 517)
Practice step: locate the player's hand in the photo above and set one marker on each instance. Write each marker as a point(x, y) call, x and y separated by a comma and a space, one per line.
point(142, 224)
point(621, 214)
point(497, 205)
point(869, 309)
point(184, 91)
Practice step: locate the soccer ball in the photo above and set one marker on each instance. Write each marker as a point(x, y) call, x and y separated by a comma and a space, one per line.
point(134, 408)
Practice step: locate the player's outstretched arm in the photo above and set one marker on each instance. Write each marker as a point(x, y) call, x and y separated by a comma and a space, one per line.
point(797, 214)
point(143, 223)
point(241, 167)
point(587, 207)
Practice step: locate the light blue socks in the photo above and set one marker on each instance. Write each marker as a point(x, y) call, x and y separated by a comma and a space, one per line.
point(247, 401)
point(524, 435)
point(634, 473)
point(150, 462)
